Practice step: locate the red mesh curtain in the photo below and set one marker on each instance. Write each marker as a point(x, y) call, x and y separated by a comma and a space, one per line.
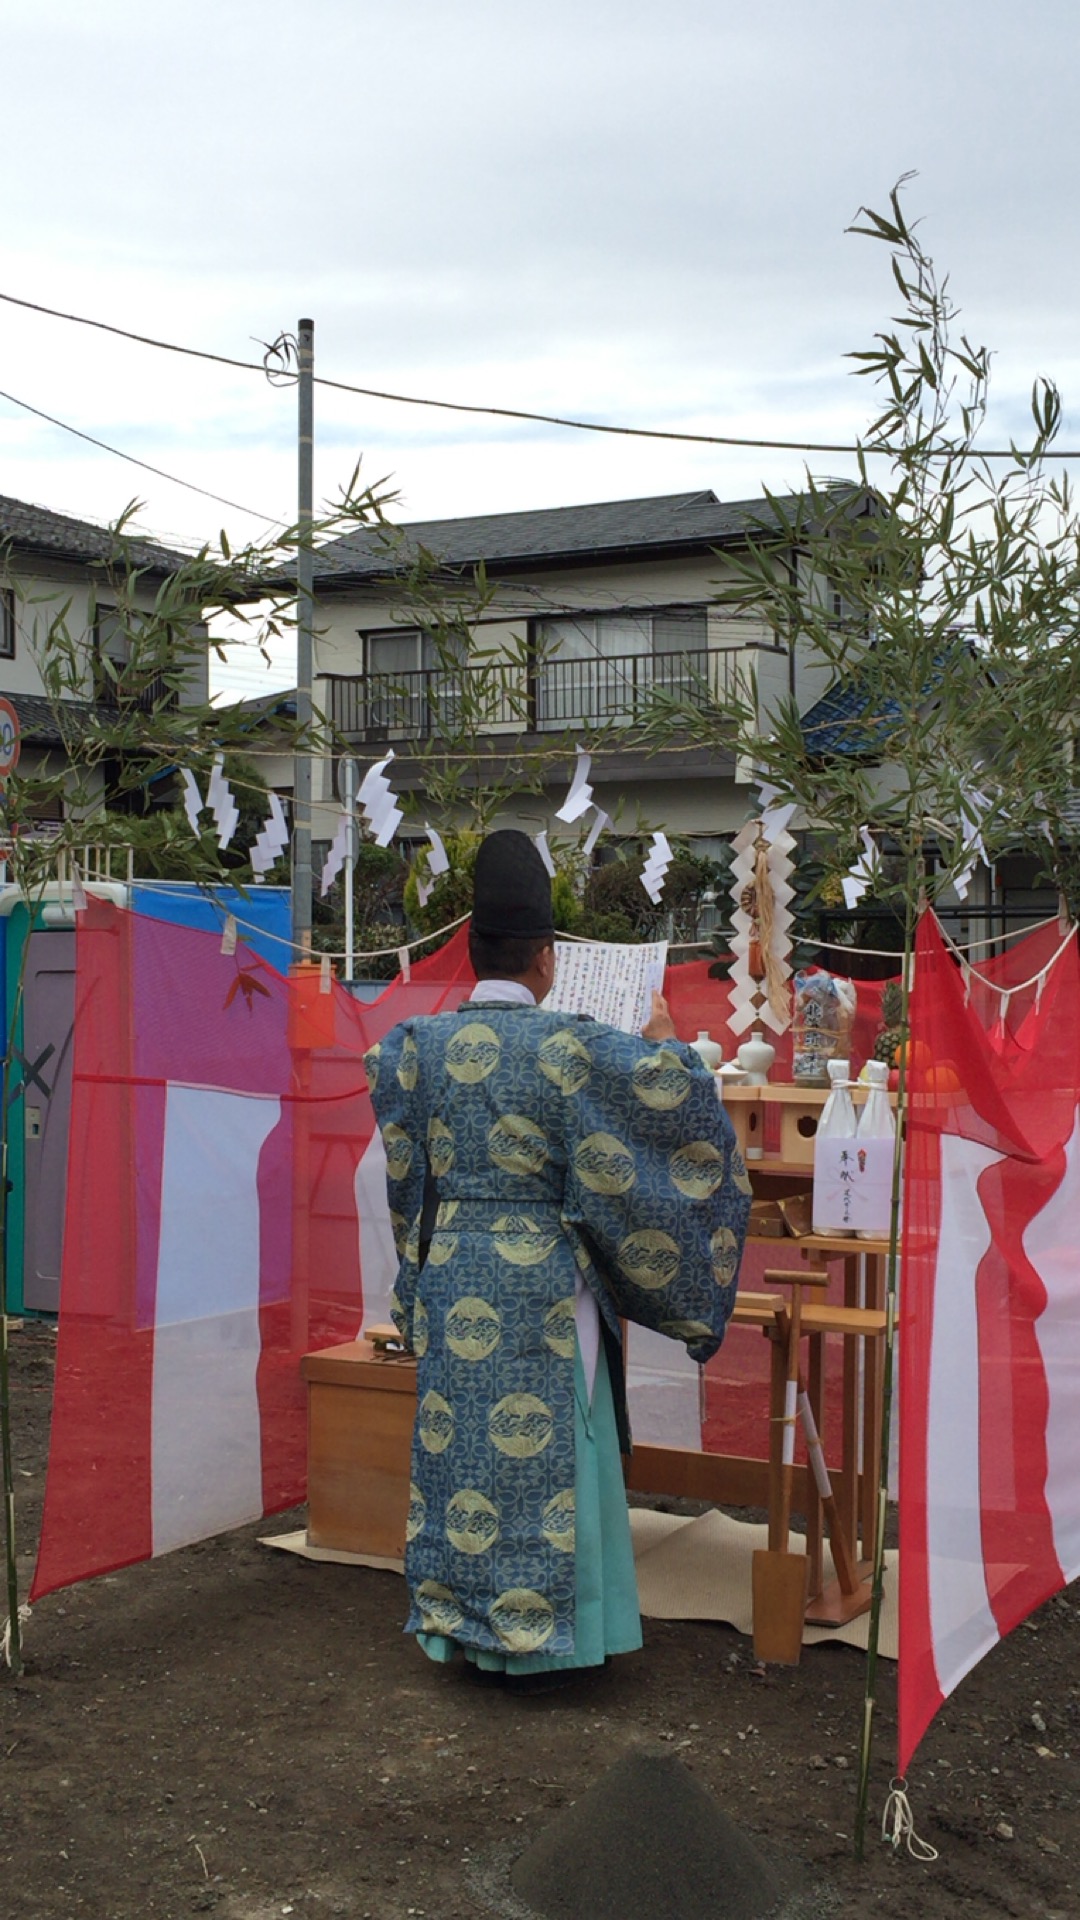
point(989, 1326)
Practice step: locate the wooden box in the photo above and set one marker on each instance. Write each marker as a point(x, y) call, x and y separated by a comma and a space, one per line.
point(799, 1119)
point(361, 1411)
point(745, 1111)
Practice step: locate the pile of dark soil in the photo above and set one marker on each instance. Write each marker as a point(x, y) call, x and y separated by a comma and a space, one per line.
point(647, 1842)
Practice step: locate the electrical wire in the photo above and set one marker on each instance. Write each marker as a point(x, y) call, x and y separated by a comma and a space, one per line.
point(500, 413)
point(144, 464)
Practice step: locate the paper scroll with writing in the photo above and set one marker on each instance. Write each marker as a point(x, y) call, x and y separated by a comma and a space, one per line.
point(612, 983)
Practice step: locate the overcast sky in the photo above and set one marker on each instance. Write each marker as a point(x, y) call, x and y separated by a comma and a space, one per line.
point(604, 208)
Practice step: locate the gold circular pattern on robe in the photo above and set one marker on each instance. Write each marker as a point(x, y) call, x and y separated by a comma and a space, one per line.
point(523, 1620)
point(518, 1240)
point(661, 1080)
point(445, 1212)
point(649, 1258)
point(697, 1169)
point(518, 1145)
point(604, 1164)
point(397, 1313)
point(563, 1059)
point(440, 1147)
point(472, 1523)
point(421, 1331)
point(436, 1423)
point(473, 1053)
point(408, 1068)
point(442, 1248)
point(399, 1230)
point(520, 1425)
point(724, 1248)
point(557, 1521)
point(439, 1611)
point(412, 1243)
point(687, 1330)
point(739, 1176)
point(473, 1328)
point(371, 1066)
point(399, 1151)
point(560, 1328)
point(414, 1526)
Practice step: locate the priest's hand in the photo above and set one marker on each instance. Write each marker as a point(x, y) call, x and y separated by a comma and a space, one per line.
point(659, 1025)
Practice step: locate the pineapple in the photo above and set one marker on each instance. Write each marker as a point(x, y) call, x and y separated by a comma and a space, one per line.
point(892, 1032)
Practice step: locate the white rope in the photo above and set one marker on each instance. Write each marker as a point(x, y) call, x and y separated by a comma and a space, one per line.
point(1019, 986)
point(898, 1824)
point(5, 1642)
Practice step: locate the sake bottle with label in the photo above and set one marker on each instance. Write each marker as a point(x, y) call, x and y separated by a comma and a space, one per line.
point(837, 1122)
point(877, 1120)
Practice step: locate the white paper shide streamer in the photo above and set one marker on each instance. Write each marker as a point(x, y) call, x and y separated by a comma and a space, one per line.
point(272, 839)
point(193, 800)
point(378, 803)
point(862, 875)
point(437, 862)
point(540, 842)
point(580, 797)
point(654, 872)
point(974, 807)
point(600, 825)
point(220, 801)
point(335, 859)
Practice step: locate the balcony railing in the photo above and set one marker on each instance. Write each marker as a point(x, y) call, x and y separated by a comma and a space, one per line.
point(512, 698)
point(147, 696)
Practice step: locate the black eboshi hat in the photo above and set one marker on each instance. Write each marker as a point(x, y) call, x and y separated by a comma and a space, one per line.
point(511, 888)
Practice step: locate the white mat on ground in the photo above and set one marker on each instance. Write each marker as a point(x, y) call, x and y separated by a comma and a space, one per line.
point(697, 1569)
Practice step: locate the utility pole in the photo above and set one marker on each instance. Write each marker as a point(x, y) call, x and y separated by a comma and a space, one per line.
point(305, 576)
point(348, 772)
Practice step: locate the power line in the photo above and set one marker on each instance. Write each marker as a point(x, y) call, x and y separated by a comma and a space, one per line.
point(131, 458)
point(501, 413)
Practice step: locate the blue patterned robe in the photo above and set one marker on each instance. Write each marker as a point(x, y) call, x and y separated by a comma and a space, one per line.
point(557, 1147)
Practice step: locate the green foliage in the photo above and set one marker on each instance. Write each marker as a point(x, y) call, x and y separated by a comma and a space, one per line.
point(957, 580)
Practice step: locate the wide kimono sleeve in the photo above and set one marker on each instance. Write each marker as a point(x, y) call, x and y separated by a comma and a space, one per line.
point(656, 1185)
point(392, 1071)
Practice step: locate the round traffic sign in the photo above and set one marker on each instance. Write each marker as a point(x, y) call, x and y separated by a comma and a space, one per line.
point(10, 732)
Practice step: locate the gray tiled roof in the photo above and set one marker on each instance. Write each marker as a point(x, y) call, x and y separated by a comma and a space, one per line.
point(609, 529)
point(30, 529)
point(39, 719)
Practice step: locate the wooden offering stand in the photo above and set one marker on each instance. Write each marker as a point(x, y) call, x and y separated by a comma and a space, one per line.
point(734, 1480)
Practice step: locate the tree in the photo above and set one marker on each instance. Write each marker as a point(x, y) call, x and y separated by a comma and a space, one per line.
point(949, 618)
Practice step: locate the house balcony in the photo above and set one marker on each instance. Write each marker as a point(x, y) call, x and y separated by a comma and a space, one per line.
point(513, 698)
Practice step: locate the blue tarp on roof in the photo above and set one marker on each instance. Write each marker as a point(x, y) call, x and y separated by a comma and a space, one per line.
point(263, 919)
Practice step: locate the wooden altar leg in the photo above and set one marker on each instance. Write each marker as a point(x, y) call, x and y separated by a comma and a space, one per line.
point(814, 1531)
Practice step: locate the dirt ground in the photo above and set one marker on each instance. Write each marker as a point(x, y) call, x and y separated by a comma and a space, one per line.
point(238, 1732)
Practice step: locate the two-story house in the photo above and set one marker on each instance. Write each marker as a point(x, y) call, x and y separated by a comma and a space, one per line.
point(588, 613)
point(70, 589)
